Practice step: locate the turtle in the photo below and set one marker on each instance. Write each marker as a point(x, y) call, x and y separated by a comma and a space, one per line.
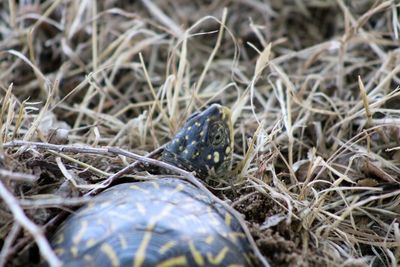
point(167, 221)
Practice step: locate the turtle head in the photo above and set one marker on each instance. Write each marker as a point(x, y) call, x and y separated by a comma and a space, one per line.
point(204, 144)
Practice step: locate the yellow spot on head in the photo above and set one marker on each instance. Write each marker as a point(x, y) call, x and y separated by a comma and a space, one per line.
point(187, 137)
point(197, 124)
point(189, 128)
point(209, 156)
point(193, 142)
point(110, 253)
point(216, 156)
point(227, 150)
point(201, 133)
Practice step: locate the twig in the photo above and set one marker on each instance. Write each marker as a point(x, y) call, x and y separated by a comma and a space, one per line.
point(19, 215)
point(17, 176)
point(53, 202)
point(5, 251)
point(24, 241)
point(71, 177)
point(104, 184)
point(59, 148)
point(84, 165)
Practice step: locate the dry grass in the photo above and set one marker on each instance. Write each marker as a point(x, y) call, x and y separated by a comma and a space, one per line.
point(313, 86)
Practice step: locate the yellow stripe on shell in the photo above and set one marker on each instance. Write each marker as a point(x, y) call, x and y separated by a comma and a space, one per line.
point(234, 236)
point(74, 251)
point(135, 187)
point(88, 258)
point(174, 262)
point(122, 241)
point(228, 219)
point(178, 189)
point(141, 208)
point(210, 239)
point(111, 255)
point(198, 258)
point(167, 246)
point(90, 243)
point(59, 251)
point(59, 239)
point(155, 185)
point(212, 218)
point(217, 259)
point(141, 252)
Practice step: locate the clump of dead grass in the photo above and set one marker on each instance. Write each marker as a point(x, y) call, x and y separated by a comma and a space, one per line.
point(313, 86)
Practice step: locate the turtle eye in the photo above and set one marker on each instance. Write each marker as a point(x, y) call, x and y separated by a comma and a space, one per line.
point(217, 134)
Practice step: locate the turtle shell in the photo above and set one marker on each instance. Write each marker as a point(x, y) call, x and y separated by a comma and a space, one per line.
point(164, 222)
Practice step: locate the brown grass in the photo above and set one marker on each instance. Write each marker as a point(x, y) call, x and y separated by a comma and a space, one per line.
point(313, 86)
